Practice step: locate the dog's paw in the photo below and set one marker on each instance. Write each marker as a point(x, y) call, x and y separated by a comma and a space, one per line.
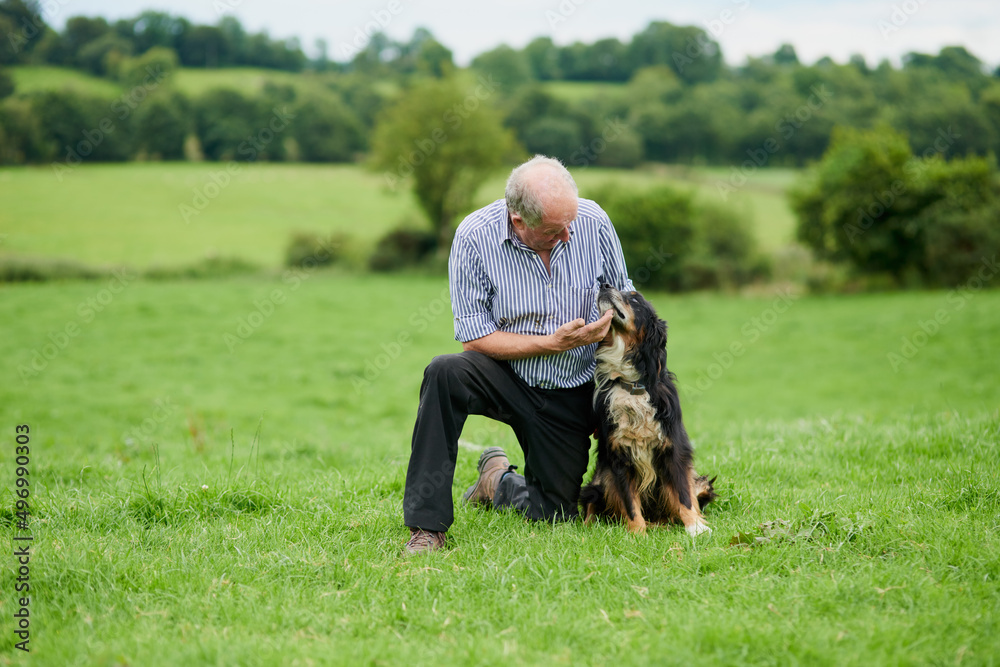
point(697, 529)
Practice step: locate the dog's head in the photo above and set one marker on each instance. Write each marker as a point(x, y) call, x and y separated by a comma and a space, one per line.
point(632, 317)
point(635, 323)
point(637, 338)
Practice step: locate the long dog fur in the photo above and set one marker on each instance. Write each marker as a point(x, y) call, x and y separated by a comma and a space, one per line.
point(644, 456)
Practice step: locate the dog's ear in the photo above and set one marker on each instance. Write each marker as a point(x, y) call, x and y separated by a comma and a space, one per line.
point(651, 360)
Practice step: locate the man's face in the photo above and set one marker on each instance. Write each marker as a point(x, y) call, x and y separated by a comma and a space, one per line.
point(554, 228)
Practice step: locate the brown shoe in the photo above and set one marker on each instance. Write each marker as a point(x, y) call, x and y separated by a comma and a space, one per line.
point(423, 541)
point(493, 464)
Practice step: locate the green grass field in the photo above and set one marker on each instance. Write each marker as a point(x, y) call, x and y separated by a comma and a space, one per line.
point(580, 91)
point(38, 78)
point(190, 80)
point(167, 533)
point(131, 213)
point(217, 466)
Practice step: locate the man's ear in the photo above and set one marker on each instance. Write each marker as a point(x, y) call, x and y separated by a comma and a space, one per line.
point(517, 220)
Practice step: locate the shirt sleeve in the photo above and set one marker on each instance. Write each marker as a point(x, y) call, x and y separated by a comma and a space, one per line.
point(471, 293)
point(615, 272)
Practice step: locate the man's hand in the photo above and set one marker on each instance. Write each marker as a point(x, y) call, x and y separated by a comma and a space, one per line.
point(506, 346)
point(578, 333)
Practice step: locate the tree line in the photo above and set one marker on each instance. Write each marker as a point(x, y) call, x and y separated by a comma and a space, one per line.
point(669, 96)
point(97, 46)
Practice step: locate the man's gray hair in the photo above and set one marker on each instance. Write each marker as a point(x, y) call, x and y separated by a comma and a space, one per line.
point(523, 194)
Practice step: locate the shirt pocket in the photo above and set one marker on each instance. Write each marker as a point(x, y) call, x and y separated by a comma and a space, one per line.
point(576, 302)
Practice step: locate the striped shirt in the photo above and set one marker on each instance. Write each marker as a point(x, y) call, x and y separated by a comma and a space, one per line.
point(500, 284)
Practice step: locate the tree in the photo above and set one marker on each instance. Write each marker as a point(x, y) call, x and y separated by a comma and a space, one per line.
point(226, 123)
point(6, 84)
point(156, 65)
point(81, 31)
point(446, 137)
point(785, 55)
point(688, 50)
point(606, 60)
point(510, 68)
point(871, 203)
point(162, 126)
point(555, 136)
point(204, 46)
point(150, 29)
point(543, 57)
point(21, 27)
point(433, 59)
point(104, 55)
point(655, 220)
point(327, 130)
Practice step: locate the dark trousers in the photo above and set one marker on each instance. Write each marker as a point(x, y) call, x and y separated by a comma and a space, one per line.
point(553, 427)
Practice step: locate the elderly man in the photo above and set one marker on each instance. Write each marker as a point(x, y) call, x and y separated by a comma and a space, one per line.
point(524, 273)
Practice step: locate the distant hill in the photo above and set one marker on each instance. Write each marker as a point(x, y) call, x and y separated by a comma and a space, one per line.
point(188, 80)
point(194, 81)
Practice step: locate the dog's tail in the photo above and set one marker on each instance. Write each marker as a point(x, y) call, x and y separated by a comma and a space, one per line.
point(704, 490)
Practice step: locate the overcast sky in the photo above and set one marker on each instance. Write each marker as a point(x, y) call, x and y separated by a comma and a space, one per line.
point(837, 28)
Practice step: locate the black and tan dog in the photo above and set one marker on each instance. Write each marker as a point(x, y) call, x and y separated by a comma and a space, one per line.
point(644, 458)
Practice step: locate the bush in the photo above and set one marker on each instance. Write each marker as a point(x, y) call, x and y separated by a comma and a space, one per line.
point(151, 68)
point(623, 151)
point(327, 131)
point(651, 224)
point(724, 252)
point(21, 137)
point(310, 250)
point(162, 126)
point(233, 127)
point(403, 247)
point(6, 84)
point(29, 269)
point(959, 242)
point(870, 203)
point(559, 137)
point(672, 242)
point(82, 128)
point(104, 55)
point(208, 268)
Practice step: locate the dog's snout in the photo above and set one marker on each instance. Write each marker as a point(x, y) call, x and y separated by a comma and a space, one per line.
point(606, 286)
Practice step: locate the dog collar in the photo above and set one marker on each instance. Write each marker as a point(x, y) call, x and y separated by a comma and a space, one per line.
point(634, 388)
